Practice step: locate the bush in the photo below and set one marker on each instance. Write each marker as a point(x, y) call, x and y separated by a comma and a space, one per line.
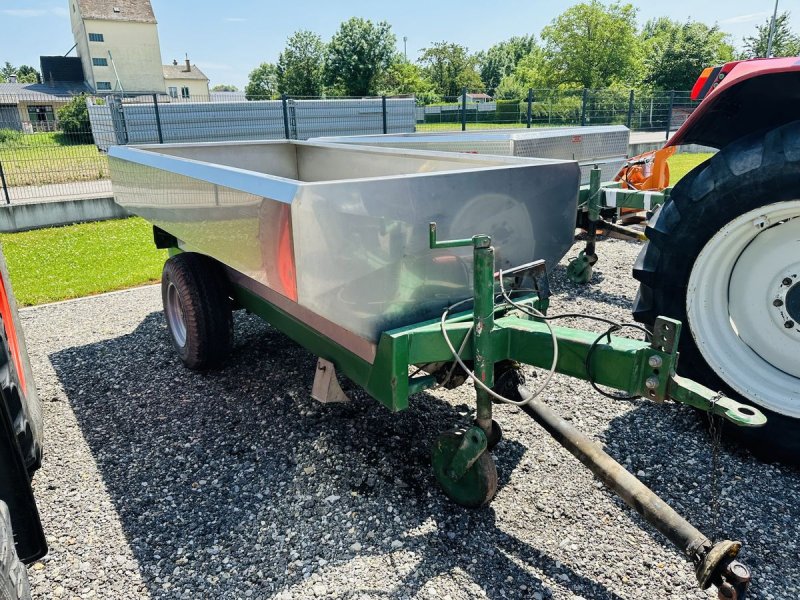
point(9, 136)
point(73, 120)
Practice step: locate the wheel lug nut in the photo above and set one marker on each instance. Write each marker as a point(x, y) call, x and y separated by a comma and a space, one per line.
point(788, 324)
point(655, 361)
point(777, 302)
point(787, 281)
point(651, 383)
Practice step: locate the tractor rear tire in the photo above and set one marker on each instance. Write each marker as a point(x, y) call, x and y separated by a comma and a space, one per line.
point(723, 257)
point(198, 310)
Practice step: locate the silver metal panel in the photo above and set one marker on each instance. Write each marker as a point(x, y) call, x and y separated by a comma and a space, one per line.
point(605, 145)
point(353, 220)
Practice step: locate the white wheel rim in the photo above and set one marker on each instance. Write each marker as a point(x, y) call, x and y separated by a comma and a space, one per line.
point(743, 305)
point(175, 319)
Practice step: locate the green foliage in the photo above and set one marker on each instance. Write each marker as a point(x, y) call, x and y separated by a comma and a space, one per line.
point(262, 83)
point(591, 45)
point(509, 111)
point(402, 77)
point(502, 58)
point(784, 43)
point(73, 120)
point(358, 53)
point(675, 53)
point(224, 87)
point(24, 73)
point(450, 67)
point(27, 74)
point(10, 136)
point(300, 65)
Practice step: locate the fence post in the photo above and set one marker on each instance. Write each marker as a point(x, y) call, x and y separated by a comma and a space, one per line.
point(385, 121)
point(669, 114)
point(5, 186)
point(630, 110)
point(583, 106)
point(285, 103)
point(464, 109)
point(530, 107)
point(158, 119)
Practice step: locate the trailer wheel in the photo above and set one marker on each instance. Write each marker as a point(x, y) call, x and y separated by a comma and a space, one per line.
point(13, 576)
point(197, 309)
point(477, 486)
point(724, 257)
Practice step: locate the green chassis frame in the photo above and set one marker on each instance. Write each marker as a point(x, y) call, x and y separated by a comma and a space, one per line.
point(504, 333)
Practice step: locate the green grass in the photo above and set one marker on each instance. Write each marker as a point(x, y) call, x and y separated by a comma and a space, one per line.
point(42, 158)
point(681, 164)
point(47, 265)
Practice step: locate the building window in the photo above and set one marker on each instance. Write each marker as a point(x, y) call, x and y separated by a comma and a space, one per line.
point(96, 37)
point(103, 85)
point(173, 92)
point(100, 62)
point(184, 92)
point(41, 118)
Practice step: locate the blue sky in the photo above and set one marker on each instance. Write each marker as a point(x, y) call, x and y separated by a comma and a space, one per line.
point(227, 39)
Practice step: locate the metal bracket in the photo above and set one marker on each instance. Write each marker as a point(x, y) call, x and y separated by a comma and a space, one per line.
point(473, 444)
point(537, 272)
point(666, 333)
point(326, 387)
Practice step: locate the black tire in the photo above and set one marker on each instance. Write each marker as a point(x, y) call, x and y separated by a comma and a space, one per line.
point(200, 287)
point(13, 576)
point(756, 170)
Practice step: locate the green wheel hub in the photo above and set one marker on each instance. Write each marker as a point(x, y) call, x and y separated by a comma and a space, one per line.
point(478, 483)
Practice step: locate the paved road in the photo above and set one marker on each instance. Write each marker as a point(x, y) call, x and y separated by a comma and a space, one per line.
point(78, 190)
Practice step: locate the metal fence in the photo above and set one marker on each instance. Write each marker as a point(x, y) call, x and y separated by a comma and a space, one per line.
point(39, 161)
point(639, 110)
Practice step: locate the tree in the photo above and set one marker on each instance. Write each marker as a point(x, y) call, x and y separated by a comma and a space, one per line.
point(300, 65)
point(357, 54)
point(262, 82)
point(450, 67)
point(675, 53)
point(403, 77)
point(531, 72)
point(784, 42)
point(501, 59)
point(225, 87)
point(592, 45)
point(27, 74)
point(24, 73)
point(73, 120)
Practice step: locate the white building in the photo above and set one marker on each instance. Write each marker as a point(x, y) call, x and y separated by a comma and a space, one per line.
point(117, 42)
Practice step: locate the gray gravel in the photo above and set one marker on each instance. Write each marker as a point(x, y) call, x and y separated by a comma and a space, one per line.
point(159, 482)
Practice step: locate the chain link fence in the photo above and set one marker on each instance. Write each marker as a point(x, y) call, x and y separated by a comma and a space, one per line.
point(39, 161)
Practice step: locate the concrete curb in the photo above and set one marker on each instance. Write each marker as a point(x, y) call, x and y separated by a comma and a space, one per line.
point(36, 215)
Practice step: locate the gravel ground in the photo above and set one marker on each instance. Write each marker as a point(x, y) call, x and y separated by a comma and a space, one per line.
point(160, 482)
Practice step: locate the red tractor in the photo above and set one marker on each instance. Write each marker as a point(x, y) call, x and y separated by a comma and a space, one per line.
point(723, 254)
point(21, 537)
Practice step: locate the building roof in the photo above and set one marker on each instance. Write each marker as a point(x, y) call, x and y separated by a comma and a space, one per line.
point(140, 11)
point(179, 72)
point(479, 96)
point(14, 92)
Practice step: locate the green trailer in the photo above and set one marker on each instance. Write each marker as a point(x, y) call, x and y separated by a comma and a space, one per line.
point(329, 245)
